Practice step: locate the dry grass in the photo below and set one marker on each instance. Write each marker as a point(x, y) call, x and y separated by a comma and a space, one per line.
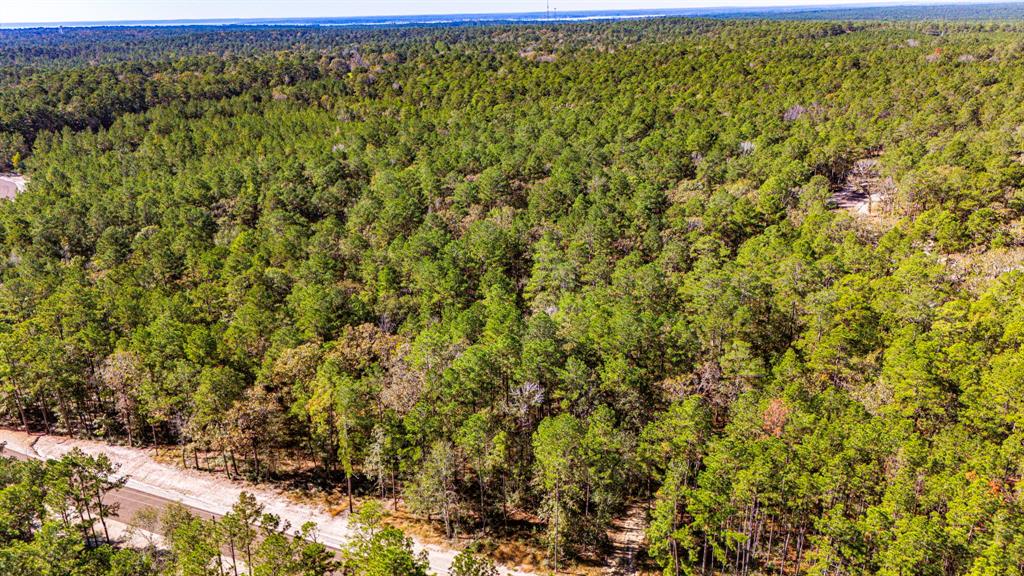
point(515, 551)
point(977, 270)
point(518, 548)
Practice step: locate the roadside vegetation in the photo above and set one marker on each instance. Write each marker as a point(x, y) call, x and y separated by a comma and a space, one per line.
point(54, 520)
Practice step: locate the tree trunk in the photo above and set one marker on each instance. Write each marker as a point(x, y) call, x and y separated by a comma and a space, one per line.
point(394, 490)
point(248, 556)
point(99, 401)
point(558, 499)
point(447, 519)
point(673, 545)
point(128, 427)
point(87, 520)
point(348, 483)
point(256, 460)
point(156, 443)
point(800, 549)
point(99, 512)
point(46, 419)
point(21, 407)
point(704, 556)
point(483, 511)
point(234, 561)
point(65, 413)
point(504, 500)
point(785, 554)
point(17, 393)
point(586, 501)
point(674, 549)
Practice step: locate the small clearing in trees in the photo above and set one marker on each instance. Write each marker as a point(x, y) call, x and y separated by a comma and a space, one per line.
point(864, 192)
point(977, 270)
point(11, 185)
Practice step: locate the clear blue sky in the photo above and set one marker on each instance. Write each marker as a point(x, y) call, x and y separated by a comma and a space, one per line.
point(12, 11)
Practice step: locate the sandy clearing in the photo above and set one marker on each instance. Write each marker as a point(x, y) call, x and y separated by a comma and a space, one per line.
point(865, 191)
point(11, 185)
point(209, 492)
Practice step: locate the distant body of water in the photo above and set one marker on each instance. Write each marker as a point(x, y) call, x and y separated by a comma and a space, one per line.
point(916, 10)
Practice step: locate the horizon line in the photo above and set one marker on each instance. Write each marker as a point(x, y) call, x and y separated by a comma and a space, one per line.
point(534, 16)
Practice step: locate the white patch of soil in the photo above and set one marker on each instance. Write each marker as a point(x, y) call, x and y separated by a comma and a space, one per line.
point(11, 185)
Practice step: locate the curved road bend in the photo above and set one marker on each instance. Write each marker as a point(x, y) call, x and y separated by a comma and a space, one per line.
point(130, 500)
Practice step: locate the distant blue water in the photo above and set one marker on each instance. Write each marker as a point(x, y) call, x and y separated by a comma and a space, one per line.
point(921, 9)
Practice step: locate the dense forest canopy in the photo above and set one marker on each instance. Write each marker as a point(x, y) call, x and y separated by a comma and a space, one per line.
point(543, 273)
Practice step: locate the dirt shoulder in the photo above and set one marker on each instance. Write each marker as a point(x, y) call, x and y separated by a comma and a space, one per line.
point(208, 492)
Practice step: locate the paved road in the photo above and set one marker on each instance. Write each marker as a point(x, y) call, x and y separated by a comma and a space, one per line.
point(128, 500)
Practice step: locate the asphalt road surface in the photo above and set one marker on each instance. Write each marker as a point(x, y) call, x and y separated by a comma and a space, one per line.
point(129, 500)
